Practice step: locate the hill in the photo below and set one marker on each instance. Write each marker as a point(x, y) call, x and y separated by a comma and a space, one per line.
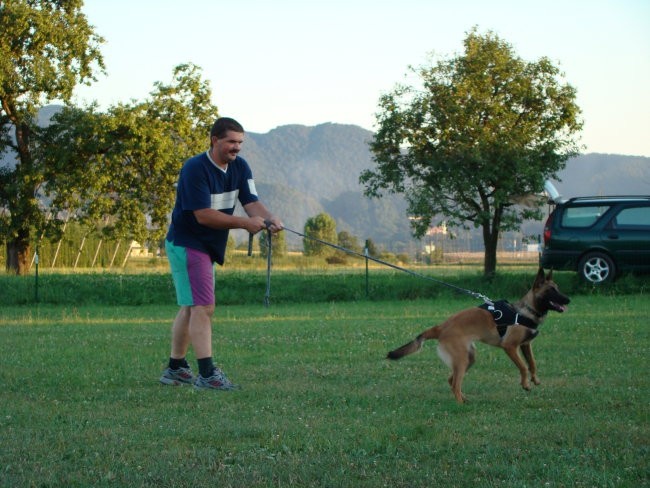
point(605, 174)
point(301, 171)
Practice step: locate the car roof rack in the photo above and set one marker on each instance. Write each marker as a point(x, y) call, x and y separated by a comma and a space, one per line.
point(610, 198)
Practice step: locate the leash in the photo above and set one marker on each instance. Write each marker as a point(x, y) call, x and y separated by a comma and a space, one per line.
point(477, 295)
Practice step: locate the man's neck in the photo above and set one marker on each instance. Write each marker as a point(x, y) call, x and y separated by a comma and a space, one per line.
point(221, 165)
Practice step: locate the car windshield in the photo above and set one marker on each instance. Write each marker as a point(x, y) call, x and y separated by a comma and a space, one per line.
point(583, 216)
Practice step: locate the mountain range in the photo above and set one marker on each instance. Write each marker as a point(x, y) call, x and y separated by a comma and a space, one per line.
point(301, 171)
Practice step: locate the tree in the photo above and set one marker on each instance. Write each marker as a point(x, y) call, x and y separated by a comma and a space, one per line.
point(148, 143)
point(346, 241)
point(46, 49)
point(120, 167)
point(278, 244)
point(322, 227)
point(484, 128)
point(349, 241)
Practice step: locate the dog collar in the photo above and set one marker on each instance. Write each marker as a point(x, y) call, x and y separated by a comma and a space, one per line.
point(533, 311)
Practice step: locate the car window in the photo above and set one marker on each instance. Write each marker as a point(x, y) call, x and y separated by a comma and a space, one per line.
point(582, 216)
point(633, 217)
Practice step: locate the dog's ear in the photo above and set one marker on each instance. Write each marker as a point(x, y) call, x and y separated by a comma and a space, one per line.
point(539, 279)
point(549, 276)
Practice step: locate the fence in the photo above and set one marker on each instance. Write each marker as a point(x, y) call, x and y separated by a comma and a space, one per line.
point(82, 251)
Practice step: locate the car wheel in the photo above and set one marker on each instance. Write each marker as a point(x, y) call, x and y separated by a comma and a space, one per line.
point(596, 267)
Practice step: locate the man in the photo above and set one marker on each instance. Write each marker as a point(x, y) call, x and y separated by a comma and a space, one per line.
point(208, 188)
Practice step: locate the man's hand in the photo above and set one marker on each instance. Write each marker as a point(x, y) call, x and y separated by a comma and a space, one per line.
point(257, 209)
point(274, 224)
point(255, 224)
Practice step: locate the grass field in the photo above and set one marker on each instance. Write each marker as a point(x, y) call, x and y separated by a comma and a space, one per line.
point(319, 406)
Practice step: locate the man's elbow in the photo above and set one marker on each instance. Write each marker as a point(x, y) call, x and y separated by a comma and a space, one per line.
point(202, 216)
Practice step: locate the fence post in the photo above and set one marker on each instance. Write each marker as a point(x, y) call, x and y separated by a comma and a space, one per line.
point(36, 275)
point(117, 246)
point(58, 246)
point(81, 247)
point(365, 253)
point(128, 254)
point(99, 244)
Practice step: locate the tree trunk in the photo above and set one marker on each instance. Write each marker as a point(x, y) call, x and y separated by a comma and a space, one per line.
point(490, 241)
point(18, 256)
point(18, 247)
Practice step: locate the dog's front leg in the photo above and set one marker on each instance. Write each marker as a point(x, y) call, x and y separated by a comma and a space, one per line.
point(527, 351)
point(511, 351)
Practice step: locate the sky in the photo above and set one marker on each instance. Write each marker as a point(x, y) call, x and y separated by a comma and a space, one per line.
point(279, 62)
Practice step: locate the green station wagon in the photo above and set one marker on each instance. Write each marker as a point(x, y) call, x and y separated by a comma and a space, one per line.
point(599, 237)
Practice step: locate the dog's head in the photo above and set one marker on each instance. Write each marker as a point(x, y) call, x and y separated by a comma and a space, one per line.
point(547, 295)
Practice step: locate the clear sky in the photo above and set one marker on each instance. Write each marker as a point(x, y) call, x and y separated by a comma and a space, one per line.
point(279, 62)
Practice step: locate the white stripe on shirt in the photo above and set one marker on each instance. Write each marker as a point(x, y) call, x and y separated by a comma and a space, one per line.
point(222, 201)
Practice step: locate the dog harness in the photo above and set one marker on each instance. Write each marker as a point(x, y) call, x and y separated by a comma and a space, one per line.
point(505, 315)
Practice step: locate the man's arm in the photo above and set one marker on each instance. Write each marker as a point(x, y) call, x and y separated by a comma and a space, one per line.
point(219, 220)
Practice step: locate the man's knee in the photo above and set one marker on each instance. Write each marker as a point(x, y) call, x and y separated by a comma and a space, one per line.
point(184, 312)
point(203, 310)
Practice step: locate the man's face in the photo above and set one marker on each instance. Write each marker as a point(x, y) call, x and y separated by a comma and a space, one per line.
point(225, 149)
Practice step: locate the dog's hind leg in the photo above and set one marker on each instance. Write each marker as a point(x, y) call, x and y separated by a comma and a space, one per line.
point(471, 355)
point(456, 381)
point(459, 361)
point(527, 351)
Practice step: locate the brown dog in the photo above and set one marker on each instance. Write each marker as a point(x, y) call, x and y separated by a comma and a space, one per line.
point(457, 334)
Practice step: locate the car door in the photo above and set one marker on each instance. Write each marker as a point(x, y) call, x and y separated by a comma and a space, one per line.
point(627, 235)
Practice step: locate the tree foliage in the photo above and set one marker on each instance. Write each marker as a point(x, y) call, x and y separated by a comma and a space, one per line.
point(114, 170)
point(484, 128)
point(120, 167)
point(322, 227)
point(278, 244)
point(46, 49)
point(349, 241)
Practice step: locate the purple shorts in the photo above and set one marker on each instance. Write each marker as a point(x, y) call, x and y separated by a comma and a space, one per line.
point(193, 275)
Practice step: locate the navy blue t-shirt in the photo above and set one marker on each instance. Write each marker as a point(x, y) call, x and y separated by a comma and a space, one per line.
point(202, 184)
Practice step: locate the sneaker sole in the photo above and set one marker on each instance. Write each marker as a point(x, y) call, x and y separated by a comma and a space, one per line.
point(220, 388)
point(171, 382)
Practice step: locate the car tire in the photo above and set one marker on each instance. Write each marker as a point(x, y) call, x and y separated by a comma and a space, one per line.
point(596, 268)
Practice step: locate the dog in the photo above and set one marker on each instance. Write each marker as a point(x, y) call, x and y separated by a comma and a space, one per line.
point(457, 334)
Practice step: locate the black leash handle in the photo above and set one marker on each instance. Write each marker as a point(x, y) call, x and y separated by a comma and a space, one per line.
point(267, 223)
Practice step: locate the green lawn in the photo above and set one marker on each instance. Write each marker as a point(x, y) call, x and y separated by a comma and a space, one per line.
point(81, 403)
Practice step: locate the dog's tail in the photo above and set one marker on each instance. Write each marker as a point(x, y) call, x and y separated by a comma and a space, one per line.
point(415, 345)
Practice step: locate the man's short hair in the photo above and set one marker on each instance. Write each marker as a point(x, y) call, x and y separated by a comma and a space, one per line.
point(222, 125)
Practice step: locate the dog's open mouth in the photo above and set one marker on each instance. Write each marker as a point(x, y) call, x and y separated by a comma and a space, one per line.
point(557, 307)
